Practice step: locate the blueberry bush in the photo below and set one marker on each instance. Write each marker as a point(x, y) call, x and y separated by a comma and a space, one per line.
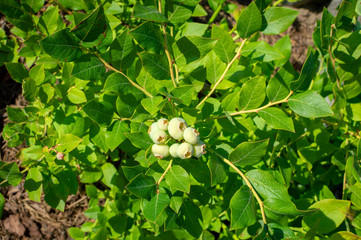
point(179, 129)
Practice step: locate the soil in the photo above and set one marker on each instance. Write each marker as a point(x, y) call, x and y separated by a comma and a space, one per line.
point(25, 219)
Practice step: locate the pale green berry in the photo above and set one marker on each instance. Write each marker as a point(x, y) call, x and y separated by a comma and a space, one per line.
point(163, 124)
point(153, 128)
point(191, 135)
point(176, 128)
point(160, 151)
point(159, 137)
point(173, 150)
point(199, 149)
point(185, 150)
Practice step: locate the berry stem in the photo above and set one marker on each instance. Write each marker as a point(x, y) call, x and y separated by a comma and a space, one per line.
point(224, 73)
point(260, 202)
point(163, 175)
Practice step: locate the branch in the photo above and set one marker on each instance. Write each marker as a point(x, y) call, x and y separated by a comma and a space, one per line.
point(270, 104)
point(260, 202)
point(163, 175)
point(224, 73)
point(107, 65)
point(170, 61)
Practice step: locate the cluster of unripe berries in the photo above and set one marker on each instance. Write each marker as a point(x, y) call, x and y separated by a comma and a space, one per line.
point(188, 144)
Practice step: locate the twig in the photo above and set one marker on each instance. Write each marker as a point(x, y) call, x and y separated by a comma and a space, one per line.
point(163, 175)
point(170, 61)
point(260, 202)
point(216, 12)
point(116, 70)
point(270, 104)
point(224, 73)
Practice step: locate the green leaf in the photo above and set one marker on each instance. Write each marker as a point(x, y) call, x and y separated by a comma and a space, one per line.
point(14, 176)
point(61, 45)
point(123, 51)
point(225, 47)
point(29, 90)
point(261, 51)
point(309, 104)
point(325, 28)
point(100, 112)
point(148, 13)
point(111, 177)
point(2, 204)
point(11, 8)
point(188, 49)
point(217, 169)
point(214, 66)
point(191, 218)
point(253, 93)
point(308, 71)
point(16, 114)
point(32, 6)
point(76, 96)
point(356, 194)
point(156, 65)
point(37, 73)
point(266, 185)
point(50, 21)
point(278, 86)
point(76, 233)
point(331, 213)
point(283, 207)
point(179, 11)
point(154, 209)
point(278, 19)
point(140, 140)
point(142, 186)
point(343, 235)
point(178, 179)
point(115, 134)
point(17, 71)
point(277, 119)
point(250, 21)
point(149, 37)
point(151, 104)
point(117, 82)
point(88, 67)
point(94, 30)
point(33, 183)
point(248, 153)
point(184, 93)
point(68, 142)
point(243, 209)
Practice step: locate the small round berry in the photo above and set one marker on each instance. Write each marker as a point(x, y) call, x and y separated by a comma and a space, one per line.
point(60, 156)
point(191, 135)
point(185, 150)
point(176, 128)
point(159, 137)
point(163, 124)
point(199, 149)
point(160, 151)
point(153, 128)
point(173, 150)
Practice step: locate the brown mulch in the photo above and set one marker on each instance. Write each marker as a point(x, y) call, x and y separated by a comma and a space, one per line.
point(25, 219)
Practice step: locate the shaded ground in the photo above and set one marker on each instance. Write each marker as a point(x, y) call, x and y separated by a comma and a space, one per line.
point(25, 219)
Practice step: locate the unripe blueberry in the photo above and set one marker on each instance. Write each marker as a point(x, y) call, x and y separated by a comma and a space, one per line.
point(160, 151)
point(173, 150)
point(159, 137)
point(153, 128)
point(176, 128)
point(185, 150)
point(199, 149)
point(60, 156)
point(163, 124)
point(191, 135)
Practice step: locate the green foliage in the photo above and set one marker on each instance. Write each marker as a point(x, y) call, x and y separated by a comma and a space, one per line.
point(283, 146)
